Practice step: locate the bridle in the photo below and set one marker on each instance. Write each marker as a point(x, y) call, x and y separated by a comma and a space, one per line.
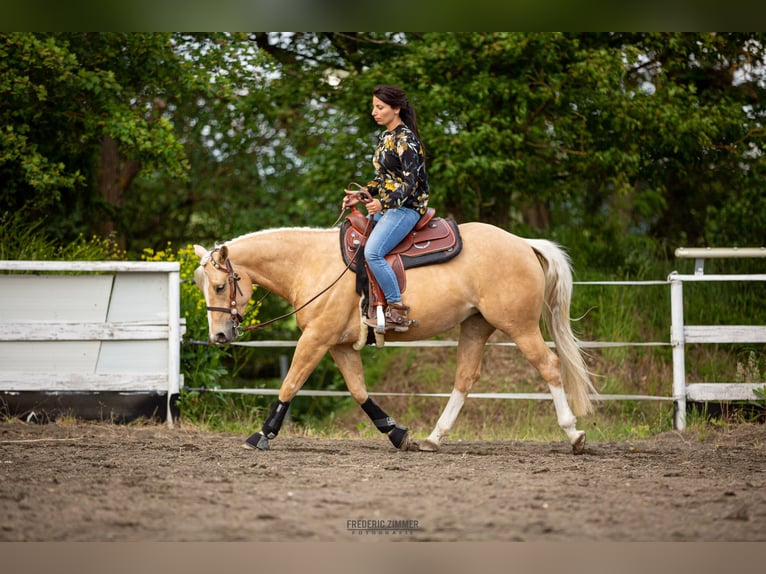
point(233, 281)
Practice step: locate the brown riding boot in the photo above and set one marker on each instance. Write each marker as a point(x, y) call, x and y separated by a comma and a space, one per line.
point(396, 317)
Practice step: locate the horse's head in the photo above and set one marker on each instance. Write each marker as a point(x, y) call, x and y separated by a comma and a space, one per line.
point(226, 292)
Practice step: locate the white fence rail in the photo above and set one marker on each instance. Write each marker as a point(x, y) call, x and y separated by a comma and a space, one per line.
point(90, 327)
point(434, 343)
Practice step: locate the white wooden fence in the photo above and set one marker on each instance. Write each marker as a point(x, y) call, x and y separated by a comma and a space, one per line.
point(90, 327)
point(682, 334)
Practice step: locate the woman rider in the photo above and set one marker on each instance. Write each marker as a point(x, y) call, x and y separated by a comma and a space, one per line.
point(399, 194)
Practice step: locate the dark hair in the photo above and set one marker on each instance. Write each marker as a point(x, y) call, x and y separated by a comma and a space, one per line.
point(395, 97)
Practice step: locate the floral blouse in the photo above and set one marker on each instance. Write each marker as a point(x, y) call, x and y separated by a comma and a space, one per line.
point(401, 178)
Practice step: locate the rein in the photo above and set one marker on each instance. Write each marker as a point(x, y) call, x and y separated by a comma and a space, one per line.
point(233, 281)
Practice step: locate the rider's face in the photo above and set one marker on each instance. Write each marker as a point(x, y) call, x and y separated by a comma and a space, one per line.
point(384, 114)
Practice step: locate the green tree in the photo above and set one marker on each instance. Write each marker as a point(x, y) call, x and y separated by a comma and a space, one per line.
point(613, 136)
point(602, 139)
point(84, 114)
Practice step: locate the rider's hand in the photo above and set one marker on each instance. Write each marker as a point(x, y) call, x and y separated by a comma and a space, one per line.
point(374, 206)
point(354, 196)
point(350, 200)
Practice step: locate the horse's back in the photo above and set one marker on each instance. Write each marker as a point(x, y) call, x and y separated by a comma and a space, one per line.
point(503, 251)
point(496, 274)
point(487, 232)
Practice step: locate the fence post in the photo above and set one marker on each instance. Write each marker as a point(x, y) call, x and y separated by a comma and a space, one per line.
point(174, 340)
point(677, 342)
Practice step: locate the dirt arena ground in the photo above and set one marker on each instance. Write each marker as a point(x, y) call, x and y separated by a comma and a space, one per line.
point(104, 482)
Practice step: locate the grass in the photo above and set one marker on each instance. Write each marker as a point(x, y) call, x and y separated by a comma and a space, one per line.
point(21, 238)
point(509, 421)
point(429, 371)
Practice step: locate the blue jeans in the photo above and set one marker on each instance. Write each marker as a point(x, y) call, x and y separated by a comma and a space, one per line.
point(390, 228)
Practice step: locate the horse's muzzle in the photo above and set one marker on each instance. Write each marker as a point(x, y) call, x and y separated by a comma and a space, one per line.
point(220, 338)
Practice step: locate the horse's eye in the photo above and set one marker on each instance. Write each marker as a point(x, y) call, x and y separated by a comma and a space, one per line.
point(219, 288)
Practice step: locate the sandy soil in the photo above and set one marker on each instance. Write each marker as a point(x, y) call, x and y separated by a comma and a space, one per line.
point(104, 482)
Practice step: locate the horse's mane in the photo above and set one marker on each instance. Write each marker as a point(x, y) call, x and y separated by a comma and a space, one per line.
point(280, 230)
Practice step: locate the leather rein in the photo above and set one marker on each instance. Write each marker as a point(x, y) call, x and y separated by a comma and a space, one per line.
point(233, 282)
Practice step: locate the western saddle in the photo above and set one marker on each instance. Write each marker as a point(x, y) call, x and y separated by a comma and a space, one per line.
point(432, 240)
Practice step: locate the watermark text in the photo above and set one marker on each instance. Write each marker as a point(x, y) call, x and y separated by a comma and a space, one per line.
point(375, 527)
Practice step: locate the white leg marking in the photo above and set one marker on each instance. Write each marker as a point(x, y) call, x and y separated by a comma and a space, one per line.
point(566, 418)
point(445, 422)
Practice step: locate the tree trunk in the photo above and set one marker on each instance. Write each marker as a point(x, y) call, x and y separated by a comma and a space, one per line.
point(536, 214)
point(114, 177)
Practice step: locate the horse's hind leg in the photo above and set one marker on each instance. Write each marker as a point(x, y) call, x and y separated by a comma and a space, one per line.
point(547, 363)
point(474, 333)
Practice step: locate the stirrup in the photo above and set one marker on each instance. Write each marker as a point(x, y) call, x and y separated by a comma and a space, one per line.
point(394, 318)
point(379, 323)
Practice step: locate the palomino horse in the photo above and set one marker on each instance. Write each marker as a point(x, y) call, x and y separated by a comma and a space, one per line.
point(499, 281)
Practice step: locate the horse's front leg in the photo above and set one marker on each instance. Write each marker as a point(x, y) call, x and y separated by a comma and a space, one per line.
point(308, 353)
point(349, 363)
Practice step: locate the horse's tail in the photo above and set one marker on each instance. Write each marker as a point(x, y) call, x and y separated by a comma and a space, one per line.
point(558, 295)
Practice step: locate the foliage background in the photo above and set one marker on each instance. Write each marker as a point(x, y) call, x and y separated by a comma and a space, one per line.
point(181, 137)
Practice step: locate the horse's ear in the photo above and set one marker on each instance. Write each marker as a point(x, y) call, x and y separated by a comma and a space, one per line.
point(223, 254)
point(200, 251)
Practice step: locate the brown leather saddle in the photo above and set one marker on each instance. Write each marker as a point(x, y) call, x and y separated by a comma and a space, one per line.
point(432, 240)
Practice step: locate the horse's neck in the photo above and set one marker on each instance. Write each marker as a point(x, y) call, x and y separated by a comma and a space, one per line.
point(281, 260)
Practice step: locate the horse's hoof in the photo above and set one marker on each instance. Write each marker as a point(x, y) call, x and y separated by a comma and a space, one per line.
point(428, 446)
point(578, 446)
point(257, 441)
point(399, 437)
